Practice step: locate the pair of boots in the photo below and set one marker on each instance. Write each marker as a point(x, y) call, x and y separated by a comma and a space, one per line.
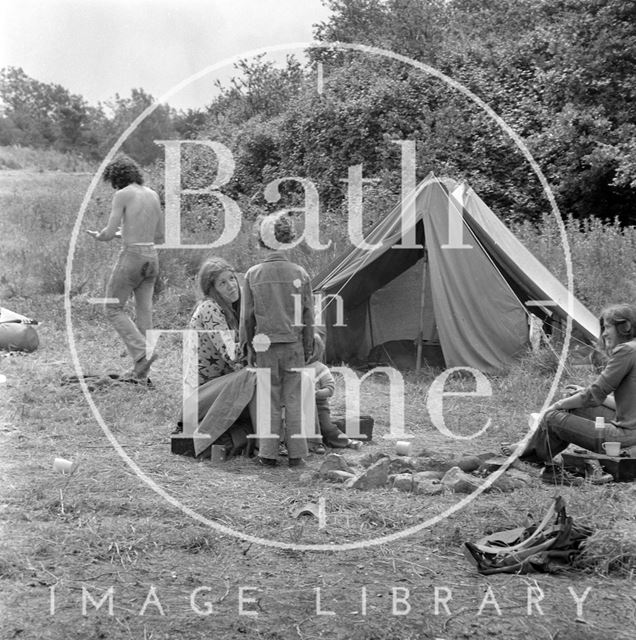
point(556, 474)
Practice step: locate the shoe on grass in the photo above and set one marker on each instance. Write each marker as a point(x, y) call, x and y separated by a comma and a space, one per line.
point(130, 378)
point(265, 462)
point(356, 445)
point(595, 474)
point(142, 366)
point(318, 449)
point(297, 463)
point(557, 475)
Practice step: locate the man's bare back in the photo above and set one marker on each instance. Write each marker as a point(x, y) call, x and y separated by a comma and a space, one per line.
point(137, 210)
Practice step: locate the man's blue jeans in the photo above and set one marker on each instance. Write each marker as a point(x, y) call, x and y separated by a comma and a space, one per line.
point(135, 272)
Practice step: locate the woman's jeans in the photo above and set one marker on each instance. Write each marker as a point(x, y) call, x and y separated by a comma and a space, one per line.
point(135, 272)
point(558, 429)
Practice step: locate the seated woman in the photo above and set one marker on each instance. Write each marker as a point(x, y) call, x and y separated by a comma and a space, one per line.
point(572, 419)
point(216, 319)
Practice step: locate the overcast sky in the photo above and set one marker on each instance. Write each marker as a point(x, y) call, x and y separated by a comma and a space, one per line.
point(101, 47)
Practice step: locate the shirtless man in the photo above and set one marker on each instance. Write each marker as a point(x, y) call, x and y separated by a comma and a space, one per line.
point(136, 216)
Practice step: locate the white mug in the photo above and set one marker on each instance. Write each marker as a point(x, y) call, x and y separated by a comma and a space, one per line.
point(403, 448)
point(612, 449)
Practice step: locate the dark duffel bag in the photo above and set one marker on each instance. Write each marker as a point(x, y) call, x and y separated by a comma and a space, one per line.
point(15, 336)
point(366, 428)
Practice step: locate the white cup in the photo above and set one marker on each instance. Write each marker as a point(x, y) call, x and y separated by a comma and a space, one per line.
point(62, 465)
point(403, 448)
point(612, 449)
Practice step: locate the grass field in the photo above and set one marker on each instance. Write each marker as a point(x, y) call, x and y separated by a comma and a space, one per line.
point(104, 530)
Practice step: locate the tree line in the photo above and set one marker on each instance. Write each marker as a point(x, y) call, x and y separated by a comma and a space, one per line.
point(560, 73)
point(46, 115)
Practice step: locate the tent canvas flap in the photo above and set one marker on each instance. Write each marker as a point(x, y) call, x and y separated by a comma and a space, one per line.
point(480, 321)
point(529, 272)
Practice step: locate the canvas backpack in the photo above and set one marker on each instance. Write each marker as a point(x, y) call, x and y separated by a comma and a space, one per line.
point(543, 547)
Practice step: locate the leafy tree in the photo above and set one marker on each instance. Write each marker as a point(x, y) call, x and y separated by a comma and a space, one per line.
point(30, 107)
point(37, 114)
point(188, 124)
point(259, 90)
point(45, 115)
point(156, 126)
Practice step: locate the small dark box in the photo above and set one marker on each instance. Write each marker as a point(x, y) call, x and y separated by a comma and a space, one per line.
point(366, 428)
point(184, 446)
point(181, 445)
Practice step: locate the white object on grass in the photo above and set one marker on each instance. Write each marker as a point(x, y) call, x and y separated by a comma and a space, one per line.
point(62, 465)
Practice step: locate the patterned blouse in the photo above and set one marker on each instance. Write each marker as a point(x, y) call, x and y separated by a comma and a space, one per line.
point(219, 352)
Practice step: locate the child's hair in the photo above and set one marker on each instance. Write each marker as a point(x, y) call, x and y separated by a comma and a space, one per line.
point(122, 171)
point(281, 230)
point(623, 317)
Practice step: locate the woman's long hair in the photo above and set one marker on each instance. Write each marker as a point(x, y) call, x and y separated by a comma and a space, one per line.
point(623, 317)
point(208, 273)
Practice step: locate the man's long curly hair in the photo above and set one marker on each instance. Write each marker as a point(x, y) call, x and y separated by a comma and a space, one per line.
point(121, 172)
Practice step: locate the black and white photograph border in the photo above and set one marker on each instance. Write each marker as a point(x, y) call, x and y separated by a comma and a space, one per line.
point(108, 533)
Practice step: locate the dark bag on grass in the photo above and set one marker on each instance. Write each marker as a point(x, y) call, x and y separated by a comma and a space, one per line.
point(545, 547)
point(15, 336)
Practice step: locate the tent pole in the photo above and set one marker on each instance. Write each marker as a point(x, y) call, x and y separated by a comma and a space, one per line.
point(420, 335)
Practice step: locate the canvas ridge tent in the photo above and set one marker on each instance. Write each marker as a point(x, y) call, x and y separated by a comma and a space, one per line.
point(462, 298)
